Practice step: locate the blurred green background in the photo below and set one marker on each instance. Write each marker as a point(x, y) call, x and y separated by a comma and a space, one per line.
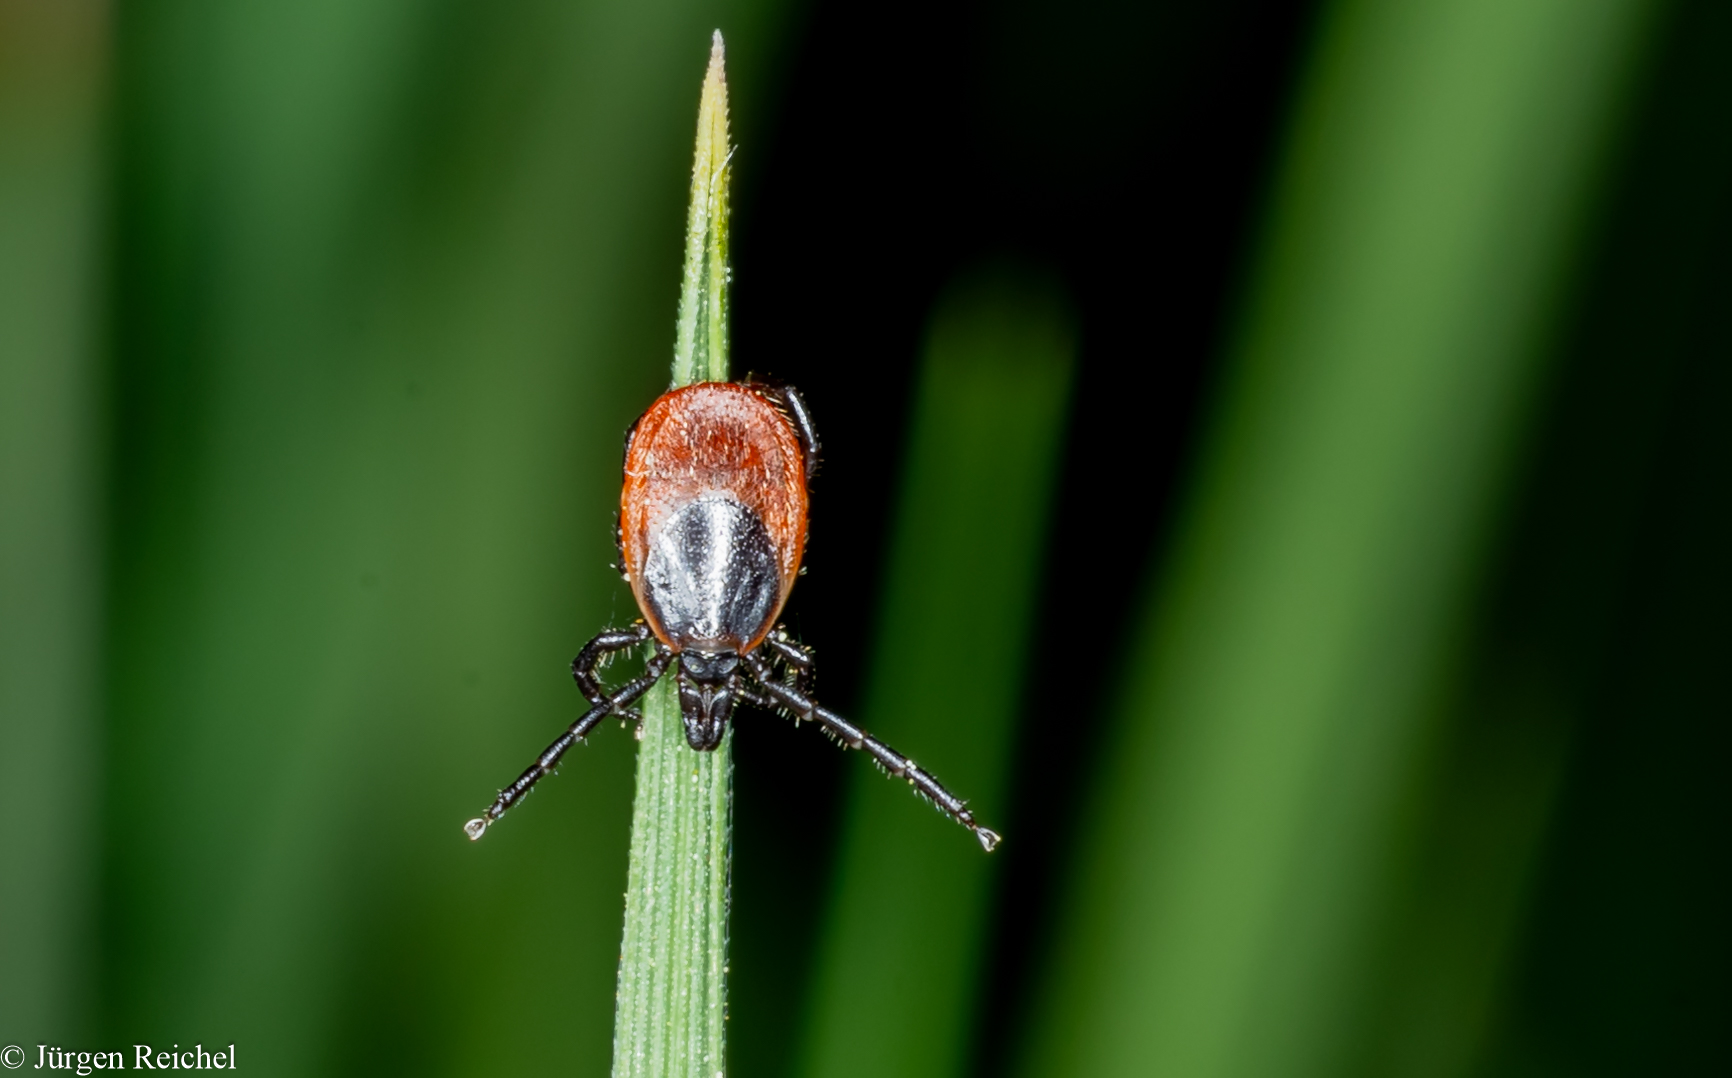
point(1277, 465)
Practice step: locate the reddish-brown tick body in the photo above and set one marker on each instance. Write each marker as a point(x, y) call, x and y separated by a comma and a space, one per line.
point(712, 527)
point(712, 515)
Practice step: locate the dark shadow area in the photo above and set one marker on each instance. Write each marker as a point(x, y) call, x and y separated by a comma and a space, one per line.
point(1123, 147)
point(1620, 582)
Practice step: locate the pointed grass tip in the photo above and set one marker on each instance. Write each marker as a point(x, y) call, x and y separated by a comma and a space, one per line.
point(477, 827)
point(716, 74)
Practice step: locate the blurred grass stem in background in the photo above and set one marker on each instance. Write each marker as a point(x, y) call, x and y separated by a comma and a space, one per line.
point(673, 958)
point(910, 910)
point(1421, 233)
point(53, 75)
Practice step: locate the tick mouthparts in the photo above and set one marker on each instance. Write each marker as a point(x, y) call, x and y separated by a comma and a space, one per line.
point(477, 827)
point(989, 839)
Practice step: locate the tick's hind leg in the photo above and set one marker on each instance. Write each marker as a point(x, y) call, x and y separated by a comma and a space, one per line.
point(605, 645)
point(898, 765)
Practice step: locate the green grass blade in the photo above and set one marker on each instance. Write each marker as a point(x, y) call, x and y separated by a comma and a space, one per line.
point(895, 987)
point(1422, 228)
point(701, 341)
point(673, 959)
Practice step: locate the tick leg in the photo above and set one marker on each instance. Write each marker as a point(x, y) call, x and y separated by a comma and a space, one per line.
point(853, 737)
point(757, 700)
point(802, 417)
point(549, 758)
point(797, 657)
point(606, 643)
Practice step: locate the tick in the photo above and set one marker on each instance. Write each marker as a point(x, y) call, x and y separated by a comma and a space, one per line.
point(712, 530)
